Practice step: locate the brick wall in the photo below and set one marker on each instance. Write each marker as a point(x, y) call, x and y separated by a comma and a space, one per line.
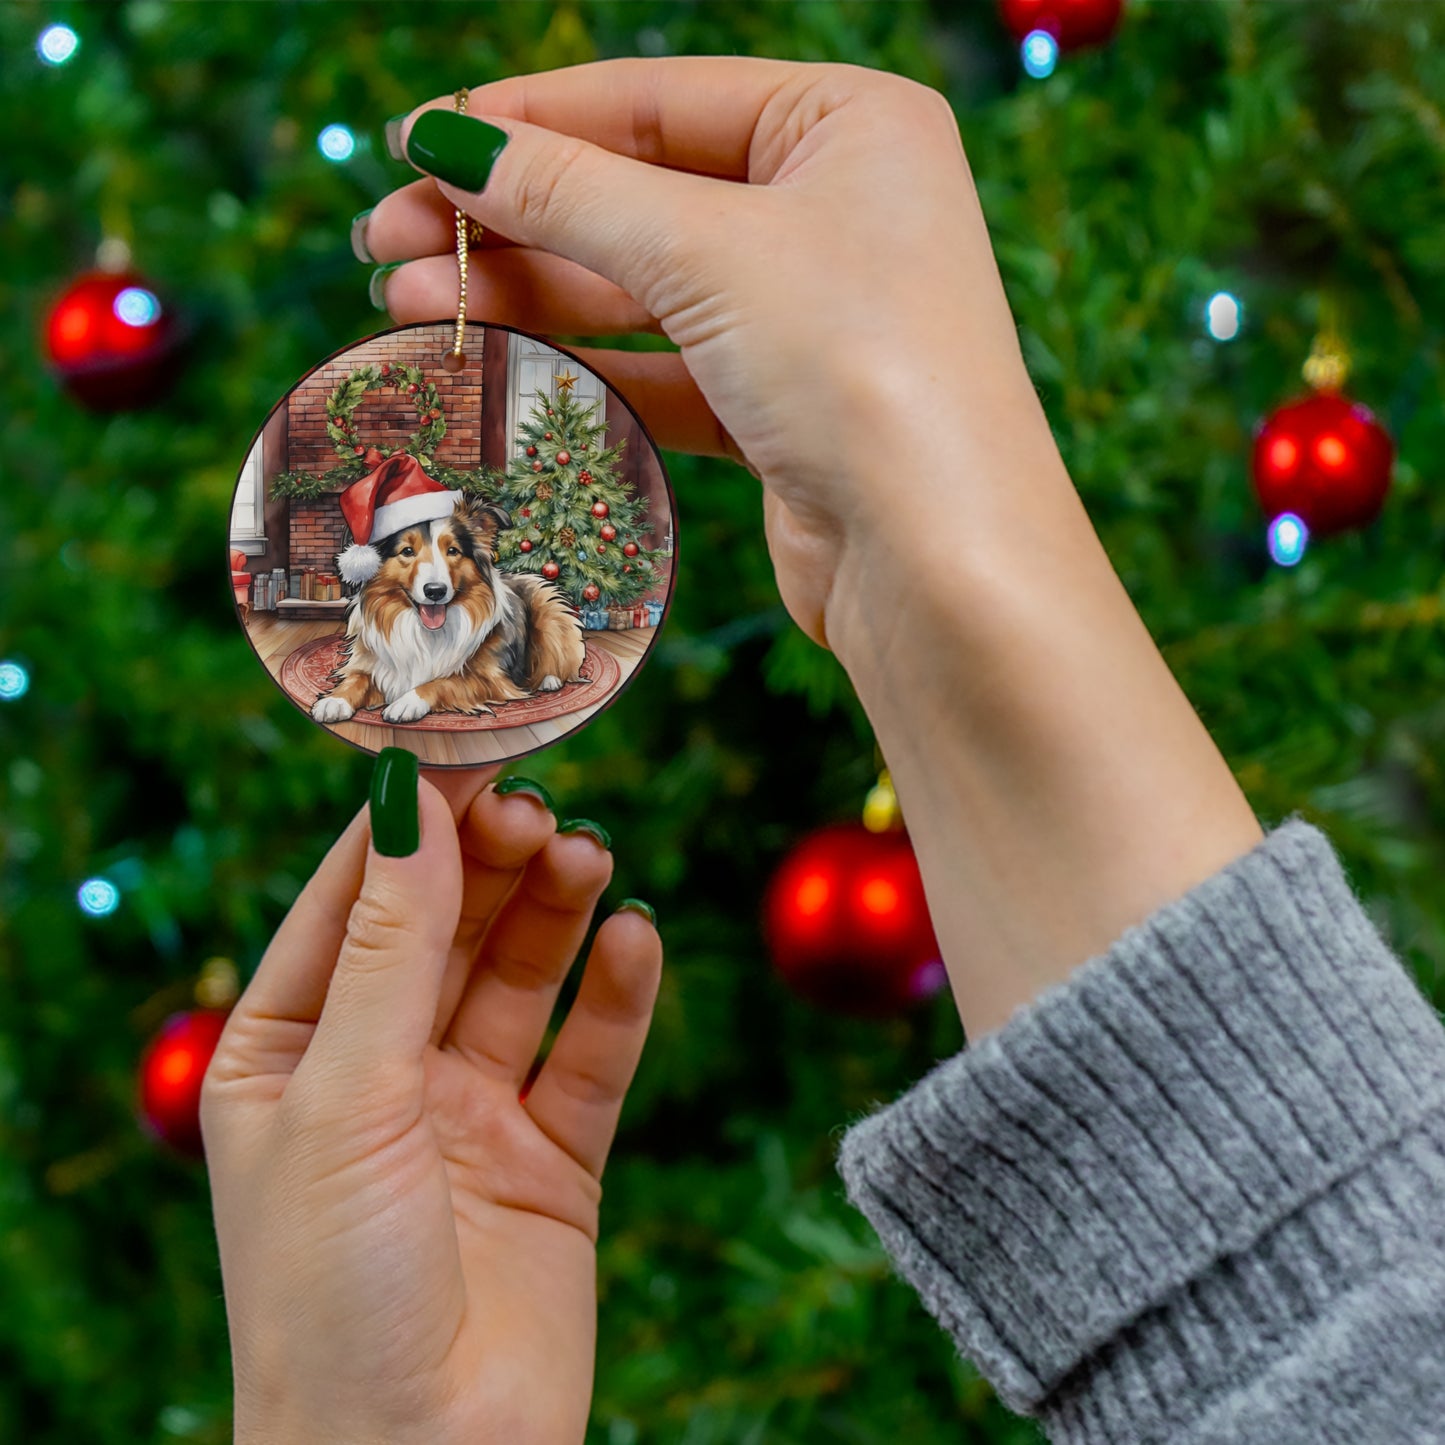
point(383, 419)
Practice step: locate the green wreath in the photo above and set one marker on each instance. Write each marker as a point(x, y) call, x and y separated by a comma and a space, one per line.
point(341, 428)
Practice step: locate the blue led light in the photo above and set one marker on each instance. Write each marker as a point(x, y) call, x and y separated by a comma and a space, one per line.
point(1040, 53)
point(1288, 538)
point(57, 44)
point(98, 897)
point(137, 307)
point(1223, 316)
point(336, 143)
point(14, 681)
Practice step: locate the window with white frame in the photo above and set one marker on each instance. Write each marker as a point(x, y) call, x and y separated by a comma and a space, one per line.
point(248, 511)
point(533, 366)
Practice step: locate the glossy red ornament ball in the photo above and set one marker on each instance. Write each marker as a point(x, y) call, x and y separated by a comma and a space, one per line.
point(112, 341)
point(600, 509)
point(601, 550)
point(847, 924)
point(563, 457)
point(524, 545)
point(531, 451)
point(536, 466)
point(546, 435)
point(608, 532)
point(549, 413)
point(1326, 459)
point(629, 549)
point(550, 571)
point(626, 568)
point(412, 389)
point(591, 592)
point(170, 1075)
point(1073, 23)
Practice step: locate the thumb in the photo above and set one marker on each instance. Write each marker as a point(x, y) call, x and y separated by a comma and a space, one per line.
point(634, 224)
point(382, 1000)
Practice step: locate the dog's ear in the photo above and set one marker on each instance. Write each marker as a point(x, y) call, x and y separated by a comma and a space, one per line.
point(485, 519)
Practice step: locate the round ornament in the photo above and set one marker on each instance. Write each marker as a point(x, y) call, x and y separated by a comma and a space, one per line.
point(563, 457)
point(1324, 458)
point(406, 577)
point(847, 923)
point(607, 532)
point(170, 1076)
point(1072, 23)
point(600, 509)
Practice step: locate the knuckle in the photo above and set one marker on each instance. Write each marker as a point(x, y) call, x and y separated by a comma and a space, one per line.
point(374, 934)
point(542, 189)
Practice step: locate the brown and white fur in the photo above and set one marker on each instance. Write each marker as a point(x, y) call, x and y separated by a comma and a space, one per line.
point(438, 628)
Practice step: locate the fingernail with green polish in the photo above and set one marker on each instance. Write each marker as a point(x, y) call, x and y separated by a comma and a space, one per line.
point(395, 811)
point(359, 248)
point(586, 825)
point(525, 785)
point(392, 132)
point(376, 288)
point(455, 148)
point(636, 905)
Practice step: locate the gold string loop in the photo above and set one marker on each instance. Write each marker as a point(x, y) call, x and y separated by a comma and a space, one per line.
point(469, 233)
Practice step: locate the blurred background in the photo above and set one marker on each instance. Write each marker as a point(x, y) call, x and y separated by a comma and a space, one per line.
point(1186, 206)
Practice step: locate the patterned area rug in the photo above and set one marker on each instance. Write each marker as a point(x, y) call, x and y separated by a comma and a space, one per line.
point(307, 674)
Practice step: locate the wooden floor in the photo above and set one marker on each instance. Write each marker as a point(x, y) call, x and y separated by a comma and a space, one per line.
point(275, 640)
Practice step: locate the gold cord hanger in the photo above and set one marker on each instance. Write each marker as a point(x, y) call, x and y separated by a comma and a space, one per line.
point(469, 233)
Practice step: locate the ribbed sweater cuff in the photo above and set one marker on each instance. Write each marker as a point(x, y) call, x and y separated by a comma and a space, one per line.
point(1159, 1155)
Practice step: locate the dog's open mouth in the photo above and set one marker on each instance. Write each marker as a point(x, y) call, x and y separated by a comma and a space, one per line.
point(433, 615)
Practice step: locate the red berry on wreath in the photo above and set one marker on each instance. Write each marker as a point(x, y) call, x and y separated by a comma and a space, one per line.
point(386, 368)
point(591, 592)
point(609, 532)
point(413, 389)
point(435, 413)
point(536, 466)
point(359, 451)
point(531, 451)
point(629, 549)
point(524, 545)
point(563, 457)
point(551, 571)
point(600, 509)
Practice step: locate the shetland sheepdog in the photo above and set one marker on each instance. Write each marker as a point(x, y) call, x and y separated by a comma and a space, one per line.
point(439, 629)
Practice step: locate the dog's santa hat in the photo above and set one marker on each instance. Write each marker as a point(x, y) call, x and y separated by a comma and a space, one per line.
point(396, 494)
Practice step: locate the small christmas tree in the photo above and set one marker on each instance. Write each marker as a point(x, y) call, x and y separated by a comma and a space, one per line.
point(574, 521)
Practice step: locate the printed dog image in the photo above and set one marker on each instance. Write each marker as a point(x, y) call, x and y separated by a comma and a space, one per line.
point(436, 627)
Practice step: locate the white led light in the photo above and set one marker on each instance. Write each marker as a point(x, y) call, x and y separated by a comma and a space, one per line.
point(1288, 538)
point(1040, 53)
point(14, 681)
point(336, 143)
point(57, 44)
point(137, 307)
point(98, 897)
point(1223, 316)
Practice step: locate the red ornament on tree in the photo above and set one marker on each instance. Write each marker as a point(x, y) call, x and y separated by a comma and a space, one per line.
point(524, 545)
point(626, 568)
point(600, 509)
point(608, 532)
point(550, 571)
point(1073, 23)
point(585, 477)
point(536, 466)
point(171, 1071)
point(629, 549)
point(1324, 458)
point(111, 341)
point(531, 451)
point(526, 511)
point(563, 457)
point(601, 550)
point(546, 435)
point(847, 924)
point(591, 592)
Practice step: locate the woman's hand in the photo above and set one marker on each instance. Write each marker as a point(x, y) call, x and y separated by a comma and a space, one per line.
point(808, 235)
point(407, 1246)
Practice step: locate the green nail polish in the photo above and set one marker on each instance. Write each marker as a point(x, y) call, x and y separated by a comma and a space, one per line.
point(455, 148)
point(392, 132)
point(376, 288)
point(636, 905)
point(525, 785)
point(359, 248)
point(586, 825)
point(395, 820)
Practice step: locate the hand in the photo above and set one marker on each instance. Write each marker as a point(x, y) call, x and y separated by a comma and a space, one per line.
point(817, 307)
point(407, 1247)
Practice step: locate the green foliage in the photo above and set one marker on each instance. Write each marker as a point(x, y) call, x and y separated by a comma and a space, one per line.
point(552, 504)
point(1283, 152)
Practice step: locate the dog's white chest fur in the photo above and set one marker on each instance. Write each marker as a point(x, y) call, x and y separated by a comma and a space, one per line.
point(414, 654)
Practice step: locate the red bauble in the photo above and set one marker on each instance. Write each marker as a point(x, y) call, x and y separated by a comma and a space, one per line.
point(601, 550)
point(591, 592)
point(546, 435)
point(526, 511)
point(412, 389)
point(629, 549)
point(608, 532)
point(359, 451)
point(847, 924)
point(550, 571)
point(549, 413)
point(112, 342)
point(600, 509)
point(1073, 23)
point(524, 545)
point(531, 451)
point(1324, 458)
point(626, 568)
point(170, 1075)
point(536, 466)
point(563, 457)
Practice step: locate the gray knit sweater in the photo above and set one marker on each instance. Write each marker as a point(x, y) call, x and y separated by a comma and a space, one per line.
point(1196, 1192)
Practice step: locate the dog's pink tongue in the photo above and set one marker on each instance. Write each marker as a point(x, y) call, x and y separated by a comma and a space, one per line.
point(433, 617)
